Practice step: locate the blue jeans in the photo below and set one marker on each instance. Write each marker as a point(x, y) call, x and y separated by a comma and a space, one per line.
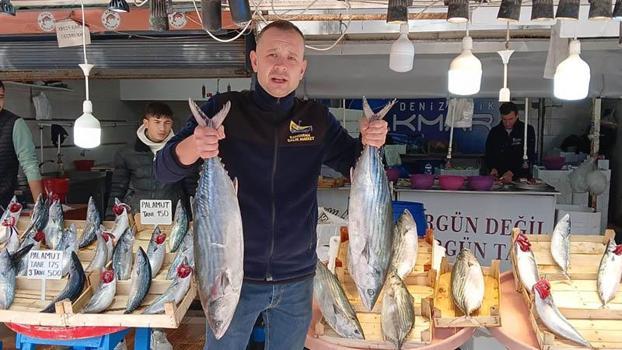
point(286, 311)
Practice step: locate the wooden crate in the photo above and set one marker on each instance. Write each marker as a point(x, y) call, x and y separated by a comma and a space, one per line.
point(447, 315)
point(585, 254)
point(114, 316)
point(602, 334)
point(420, 284)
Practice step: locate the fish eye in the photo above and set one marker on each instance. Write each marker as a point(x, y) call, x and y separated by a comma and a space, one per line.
point(371, 292)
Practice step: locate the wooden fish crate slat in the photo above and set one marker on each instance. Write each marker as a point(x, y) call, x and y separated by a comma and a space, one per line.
point(420, 284)
point(447, 315)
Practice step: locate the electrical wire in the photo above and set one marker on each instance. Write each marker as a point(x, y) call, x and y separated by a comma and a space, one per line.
point(139, 4)
point(86, 74)
point(287, 11)
point(343, 34)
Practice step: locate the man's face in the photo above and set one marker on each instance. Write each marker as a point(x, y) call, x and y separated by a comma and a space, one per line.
point(279, 61)
point(509, 120)
point(158, 127)
point(1, 98)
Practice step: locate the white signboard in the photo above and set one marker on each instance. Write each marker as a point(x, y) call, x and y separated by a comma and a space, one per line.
point(483, 222)
point(69, 33)
point(45, 264)
point(156, 212)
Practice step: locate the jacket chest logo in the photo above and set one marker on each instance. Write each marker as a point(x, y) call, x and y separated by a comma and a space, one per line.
point(300, 133)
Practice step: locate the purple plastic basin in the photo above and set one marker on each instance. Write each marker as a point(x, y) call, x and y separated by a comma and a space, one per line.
point(421, 181)
point(553, 163)
point(393, 174)
point(481, 183)
point(451, 182)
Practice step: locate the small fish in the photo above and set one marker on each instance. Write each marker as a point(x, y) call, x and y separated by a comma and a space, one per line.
point(122, 219)
point(104, 295)
point(103, 252)
point(610, 272)
point(68, 244)
point(398, 312)
point(156, 250)
point(405, 245)
point(186, 251)
point(551, 317)
point(122, 255)
point(334, 304)
point(180, 227)
point(74, 285)
point(467, 283)
point(8, 271)
point(141, 281)
point(55, 226)
point(370, 221)
point(93, 220)
point(175, 292)
point(35, 242)
point(560, 244)
point(526, 262)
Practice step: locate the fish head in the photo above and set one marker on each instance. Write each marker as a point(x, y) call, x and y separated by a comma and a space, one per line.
point(523, 242)
point(107, 236)
point(9, 221)
point(543, 288)
point(184, 270)
point(159, 239)
point(119, 208)
point(107, 276)
point(14, 207)
point(618, 250)
point(39, 236)
point(467, 256)
point(220, 313)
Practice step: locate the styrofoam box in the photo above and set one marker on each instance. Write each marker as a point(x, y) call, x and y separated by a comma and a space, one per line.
point(583, 220)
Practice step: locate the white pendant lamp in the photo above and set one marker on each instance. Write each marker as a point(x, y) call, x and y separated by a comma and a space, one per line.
point(402, 53)
point(86, 129)
point(465, 71)
point(572, 76)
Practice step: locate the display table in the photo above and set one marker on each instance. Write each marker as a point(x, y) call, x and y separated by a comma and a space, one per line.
point(516, 331)
point(483, 220)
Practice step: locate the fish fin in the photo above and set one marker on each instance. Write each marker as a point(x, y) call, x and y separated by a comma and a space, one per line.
point(198, 114)
point(235, 185)
point(383, 112)
point(20, 253)
point(369, 113)
point(365, 251)
point(217, 120)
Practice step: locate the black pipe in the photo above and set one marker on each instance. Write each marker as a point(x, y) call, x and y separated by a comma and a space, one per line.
point(541, 115)
point(211, 11)
point(240, 11)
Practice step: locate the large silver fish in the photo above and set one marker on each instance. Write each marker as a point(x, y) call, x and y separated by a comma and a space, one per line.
point(185, 252)
point(175, 292)
point(560, 244)
point(525, 262)
point(91, 226)
point(370, 224)
point(610, 272)
point(56, 224)
point(179, 229)
point(8, 271)
point(122, 255)
point(103, 251)
point(467, 283)
point(218, 236)
point(74, 285)
point(156, 250)
point(68, 244)
point(141, 281)
point(405, 245)
point(398, 313)
point(104, 295)
point(334, 304)
point(550, 315)
point(122, 217)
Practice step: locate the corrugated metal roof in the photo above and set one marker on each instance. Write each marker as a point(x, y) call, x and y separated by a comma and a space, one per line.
point(164, 53)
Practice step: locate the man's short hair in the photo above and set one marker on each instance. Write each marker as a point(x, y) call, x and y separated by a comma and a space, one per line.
point(507, 108)
point(282, 25)
point(1, 85)
point(158, 110)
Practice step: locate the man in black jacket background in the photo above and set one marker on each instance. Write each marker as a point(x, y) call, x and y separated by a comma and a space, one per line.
point(504, 146)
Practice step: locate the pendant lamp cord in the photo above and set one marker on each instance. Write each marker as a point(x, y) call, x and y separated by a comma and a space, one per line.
point(507, 36)
point(86, 76)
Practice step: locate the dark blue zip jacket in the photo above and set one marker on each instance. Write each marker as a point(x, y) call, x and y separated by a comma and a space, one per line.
point(275, 148)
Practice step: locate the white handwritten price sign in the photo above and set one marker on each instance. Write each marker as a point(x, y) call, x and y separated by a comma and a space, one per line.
point(156, 212)
point(45, 264)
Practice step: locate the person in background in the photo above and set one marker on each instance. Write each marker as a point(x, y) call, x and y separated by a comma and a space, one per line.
point(16, 149)
point(504, 146)
point(275, 145)
point(133, 178)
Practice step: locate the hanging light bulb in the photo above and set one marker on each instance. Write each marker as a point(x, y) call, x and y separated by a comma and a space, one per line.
point(402, 52)
point(509, 10)
point(542, 10)
point(617, 11)
point(568, 9)
point(118, 6)
point(86, 129)
point(7, 8)
point(457, 11)
point(600, 10)
point(465, 71)
point(572, 76)
point(397, 11)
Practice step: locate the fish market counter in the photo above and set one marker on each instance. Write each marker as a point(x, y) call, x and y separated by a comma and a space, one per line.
point(483, 220)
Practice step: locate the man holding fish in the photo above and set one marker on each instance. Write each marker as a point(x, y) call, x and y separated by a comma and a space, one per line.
point(274, 147)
